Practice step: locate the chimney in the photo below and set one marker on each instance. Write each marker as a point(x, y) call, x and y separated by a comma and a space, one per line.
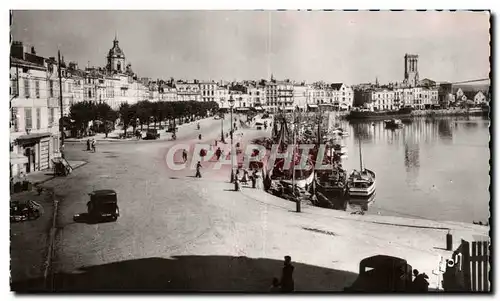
point(33, 50)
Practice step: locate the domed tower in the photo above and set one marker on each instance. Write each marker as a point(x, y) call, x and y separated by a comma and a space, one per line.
point(116, 58)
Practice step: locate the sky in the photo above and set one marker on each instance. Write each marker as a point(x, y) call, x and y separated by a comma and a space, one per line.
point(349, 47)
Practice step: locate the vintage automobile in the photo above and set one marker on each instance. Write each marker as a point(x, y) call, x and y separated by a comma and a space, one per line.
point(103, 206)
point(152, 134)
point(382, 273)
point(25, 210)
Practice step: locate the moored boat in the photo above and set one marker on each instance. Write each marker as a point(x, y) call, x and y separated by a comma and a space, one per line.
point(393, 123)
point(361, 183)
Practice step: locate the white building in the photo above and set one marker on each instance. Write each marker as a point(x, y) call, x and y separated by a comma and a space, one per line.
point(188, 91)
point(222, 97)
point(257, 95)
point(480, 98)
point(34, 117)
point(300, 96)
point(343, 96)
point(208, 91)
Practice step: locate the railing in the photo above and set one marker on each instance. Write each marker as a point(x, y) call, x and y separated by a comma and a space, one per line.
point(469, 269)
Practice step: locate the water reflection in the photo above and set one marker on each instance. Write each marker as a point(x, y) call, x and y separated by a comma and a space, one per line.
point(432, 167)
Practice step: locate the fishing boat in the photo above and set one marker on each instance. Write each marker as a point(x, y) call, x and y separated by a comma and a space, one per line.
point(393, 123)
point(361, 183)
point(340, 132)
point(282, 174)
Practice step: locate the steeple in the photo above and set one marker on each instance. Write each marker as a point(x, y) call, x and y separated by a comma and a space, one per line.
point(116, 38)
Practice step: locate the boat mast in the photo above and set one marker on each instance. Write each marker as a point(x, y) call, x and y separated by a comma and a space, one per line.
point(293, 153)
point(360, 156)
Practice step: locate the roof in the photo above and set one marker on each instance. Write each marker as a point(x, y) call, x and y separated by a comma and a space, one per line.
point(382, 261)
point(116, 50)
point(336, 86)
point(103, 192)
point(34, 136)
point(15, 61)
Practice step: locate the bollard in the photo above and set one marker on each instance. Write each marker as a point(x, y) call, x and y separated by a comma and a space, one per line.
point(449, 241)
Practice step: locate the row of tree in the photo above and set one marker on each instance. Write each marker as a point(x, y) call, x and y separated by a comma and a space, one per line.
point(138, 114)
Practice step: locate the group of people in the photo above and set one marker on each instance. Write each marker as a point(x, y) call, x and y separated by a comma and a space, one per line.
point(91, 144)
point(253, 178)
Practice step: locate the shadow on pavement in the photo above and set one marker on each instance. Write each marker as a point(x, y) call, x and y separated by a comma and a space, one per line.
point(191, 274)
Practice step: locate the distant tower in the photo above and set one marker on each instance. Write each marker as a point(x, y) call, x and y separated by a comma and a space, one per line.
point(411, 70)
point(116, 58)
point(376, 81)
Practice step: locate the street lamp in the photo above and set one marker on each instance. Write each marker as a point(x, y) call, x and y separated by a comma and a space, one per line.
point(222, 124)
point(231, 105)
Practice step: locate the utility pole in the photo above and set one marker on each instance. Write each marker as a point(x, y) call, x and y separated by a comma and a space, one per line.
point(61, 123)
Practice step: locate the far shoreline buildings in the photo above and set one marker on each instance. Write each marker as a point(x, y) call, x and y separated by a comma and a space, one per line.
point(35, 109)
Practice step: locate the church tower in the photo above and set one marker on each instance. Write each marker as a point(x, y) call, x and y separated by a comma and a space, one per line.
point(116, 58)
point(411, 70)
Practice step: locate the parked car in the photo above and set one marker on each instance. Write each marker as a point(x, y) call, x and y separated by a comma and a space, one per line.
point(103, 206)
point(382, 273)
point(25, 210)
point(152, 134)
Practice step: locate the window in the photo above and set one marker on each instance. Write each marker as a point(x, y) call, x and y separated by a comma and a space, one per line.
point(63, 87)
point(37, 89)
point(27, 118)
point(51, 88)
point(27, 88)
point(13, 88)
point(69, 87)
point(38, 118)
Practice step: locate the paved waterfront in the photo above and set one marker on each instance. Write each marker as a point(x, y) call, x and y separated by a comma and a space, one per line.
point(180, 233)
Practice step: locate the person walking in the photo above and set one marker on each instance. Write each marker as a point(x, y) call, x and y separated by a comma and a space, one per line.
point(254, 178)
point(287, 283)
point(198, 167)
point(93, 145)
point(184, 155)
point(88, 144)
point(218, 153)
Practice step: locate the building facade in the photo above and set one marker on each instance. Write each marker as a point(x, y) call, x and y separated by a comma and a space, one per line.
point(188, 91)
point(34, 117)
point(208, 91)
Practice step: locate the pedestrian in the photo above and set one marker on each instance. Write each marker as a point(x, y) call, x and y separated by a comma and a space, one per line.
point(218, 153)
point(420, 283)
point(93, 145)
point(236, 183)
point(88, 144)
point(245, 177)
point(255, 176)
point(198, 167)
point(287, 284)
point(184, 155)
point(215, 142)
point(275, 286)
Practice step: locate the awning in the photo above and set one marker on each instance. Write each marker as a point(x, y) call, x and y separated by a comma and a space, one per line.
point(18, 158)
point(259, 108)
point(242, 109)
point(36, 136)
point(289, 108)
point(312, 106)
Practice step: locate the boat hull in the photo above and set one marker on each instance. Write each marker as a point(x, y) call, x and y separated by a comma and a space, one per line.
point(362, 192)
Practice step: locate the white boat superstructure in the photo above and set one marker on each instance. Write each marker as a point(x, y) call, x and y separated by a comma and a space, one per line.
point(362, 183)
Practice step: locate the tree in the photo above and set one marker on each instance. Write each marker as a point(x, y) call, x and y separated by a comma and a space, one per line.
point(127, 114)
point(82, 113)
point(104, 113)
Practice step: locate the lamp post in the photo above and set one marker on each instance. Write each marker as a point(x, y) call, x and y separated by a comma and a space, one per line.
point(222, 124)
point(231, 105)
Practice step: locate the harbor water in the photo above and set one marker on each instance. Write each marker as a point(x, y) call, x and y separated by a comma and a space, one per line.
point(432, 168)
